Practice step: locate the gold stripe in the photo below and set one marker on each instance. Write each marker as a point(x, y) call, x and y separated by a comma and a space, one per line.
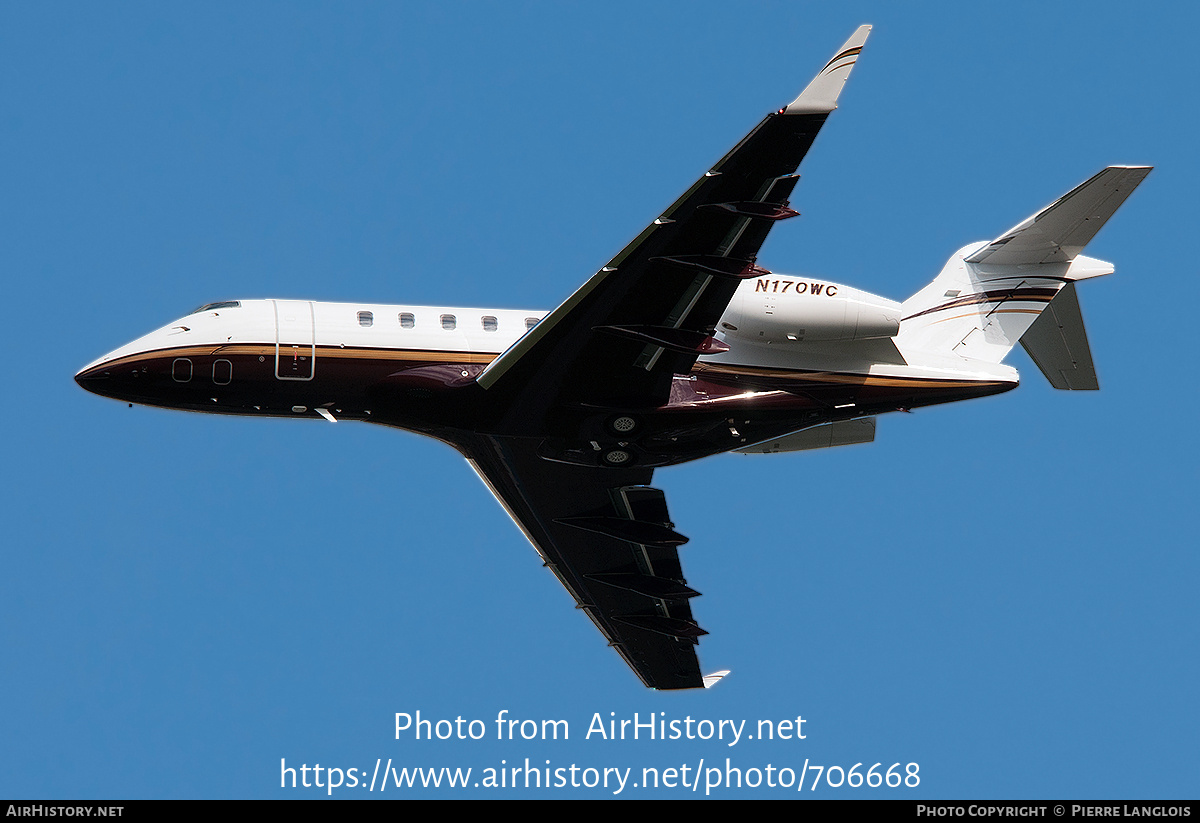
point(996, 311)
point(846, 53)
point(323, 353)
point(419, 355)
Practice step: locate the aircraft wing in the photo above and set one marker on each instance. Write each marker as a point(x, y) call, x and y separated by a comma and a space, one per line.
point(607, 536)
point(647, 315)
point(614, 347)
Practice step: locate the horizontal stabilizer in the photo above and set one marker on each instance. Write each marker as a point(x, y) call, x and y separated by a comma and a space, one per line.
point(1058, 344)
point(989, 295)
point(842, 433)
point(1059, 232)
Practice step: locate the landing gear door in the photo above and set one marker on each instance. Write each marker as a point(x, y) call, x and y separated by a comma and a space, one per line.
point(295, 342)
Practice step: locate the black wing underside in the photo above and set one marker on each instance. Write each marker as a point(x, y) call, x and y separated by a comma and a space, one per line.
point(616, 344)
point(648, 314)
point(608, 538)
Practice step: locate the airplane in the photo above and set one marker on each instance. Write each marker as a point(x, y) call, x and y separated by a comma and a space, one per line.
point(680, 347)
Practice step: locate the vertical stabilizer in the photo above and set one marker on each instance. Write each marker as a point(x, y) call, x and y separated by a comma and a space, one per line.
point(991, 295)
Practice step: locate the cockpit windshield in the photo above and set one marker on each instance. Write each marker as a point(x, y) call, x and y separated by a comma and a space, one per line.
point(228, 304)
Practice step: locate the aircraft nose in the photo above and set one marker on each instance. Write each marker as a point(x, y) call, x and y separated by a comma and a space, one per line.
point(92, 377)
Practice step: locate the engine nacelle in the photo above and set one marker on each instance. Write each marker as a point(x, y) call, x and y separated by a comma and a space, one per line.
point(788, 309)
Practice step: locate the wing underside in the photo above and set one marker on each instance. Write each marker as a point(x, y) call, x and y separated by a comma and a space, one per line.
point(650, 312)
point(608, 538)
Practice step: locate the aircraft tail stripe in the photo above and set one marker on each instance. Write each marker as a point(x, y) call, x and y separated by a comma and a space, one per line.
point(1038, 295)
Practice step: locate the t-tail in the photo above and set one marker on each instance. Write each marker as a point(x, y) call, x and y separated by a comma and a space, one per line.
point(1021, 287)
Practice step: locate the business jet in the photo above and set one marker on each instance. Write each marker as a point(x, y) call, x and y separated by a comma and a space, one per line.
point(680, 347)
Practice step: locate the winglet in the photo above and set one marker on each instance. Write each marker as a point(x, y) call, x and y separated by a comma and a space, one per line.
point(820, 96)
point(713, 679)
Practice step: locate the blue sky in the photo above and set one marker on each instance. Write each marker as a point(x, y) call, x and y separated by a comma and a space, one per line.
point(1002, 591)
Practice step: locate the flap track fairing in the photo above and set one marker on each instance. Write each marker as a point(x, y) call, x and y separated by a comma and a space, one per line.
point(631, 531)
point(660, 588)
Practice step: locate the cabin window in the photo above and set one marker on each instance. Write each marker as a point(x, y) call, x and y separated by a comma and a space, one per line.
point(366, 318)
point(222, 372)
point(449, 322)
point(181, 370)
point(530, 322)
point(490, 323)
point(407, 321)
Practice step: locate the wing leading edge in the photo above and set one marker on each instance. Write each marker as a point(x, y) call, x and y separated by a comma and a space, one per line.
point(617, 343)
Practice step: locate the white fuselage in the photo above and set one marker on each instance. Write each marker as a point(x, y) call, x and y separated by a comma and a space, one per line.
point(771, 323)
